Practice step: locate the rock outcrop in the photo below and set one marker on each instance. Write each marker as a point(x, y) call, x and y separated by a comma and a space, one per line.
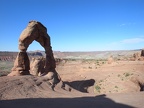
point(37, 66)
point(142, 52)
point(136, 56)
point(38, 32)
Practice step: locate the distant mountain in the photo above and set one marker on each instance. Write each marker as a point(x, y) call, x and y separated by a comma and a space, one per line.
point(73, 55)
point(95, 54)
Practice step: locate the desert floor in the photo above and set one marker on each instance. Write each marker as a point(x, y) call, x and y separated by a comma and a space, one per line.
point(88, 84)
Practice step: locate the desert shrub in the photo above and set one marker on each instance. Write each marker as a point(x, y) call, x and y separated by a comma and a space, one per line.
point(97, 88)
point(5, 67)
point(127, 74)
point(90, 67)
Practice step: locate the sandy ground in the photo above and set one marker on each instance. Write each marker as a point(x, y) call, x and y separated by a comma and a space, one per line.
point(94, 84)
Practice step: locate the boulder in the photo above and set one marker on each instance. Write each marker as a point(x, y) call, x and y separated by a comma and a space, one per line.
point(37, 66)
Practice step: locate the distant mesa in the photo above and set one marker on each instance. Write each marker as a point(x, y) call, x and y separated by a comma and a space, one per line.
point(35, 54)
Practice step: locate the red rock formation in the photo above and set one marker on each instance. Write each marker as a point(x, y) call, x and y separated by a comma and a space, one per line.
point(34, 31)
point(142, 52)
point(37, 66)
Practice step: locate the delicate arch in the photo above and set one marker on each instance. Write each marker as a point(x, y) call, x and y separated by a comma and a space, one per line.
point(34, 31)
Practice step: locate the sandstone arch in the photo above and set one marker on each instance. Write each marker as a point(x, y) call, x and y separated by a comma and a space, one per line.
point(38, 32)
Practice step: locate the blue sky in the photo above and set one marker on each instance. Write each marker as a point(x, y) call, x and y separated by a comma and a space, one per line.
point(75, 25)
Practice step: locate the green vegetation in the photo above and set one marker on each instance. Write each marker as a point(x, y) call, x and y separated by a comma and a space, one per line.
point(125, 76)
point(128, 74)
point(90, 67)
point(97, 88)
point(5, 67)
point(101, 81)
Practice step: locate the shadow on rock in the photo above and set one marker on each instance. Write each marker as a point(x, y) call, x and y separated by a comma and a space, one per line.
point(81, 85)
point(80, 102)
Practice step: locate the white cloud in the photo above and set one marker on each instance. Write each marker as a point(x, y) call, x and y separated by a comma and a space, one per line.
point(132, 43)
point(122, 24)
point(132, 40)
point(127, 24)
